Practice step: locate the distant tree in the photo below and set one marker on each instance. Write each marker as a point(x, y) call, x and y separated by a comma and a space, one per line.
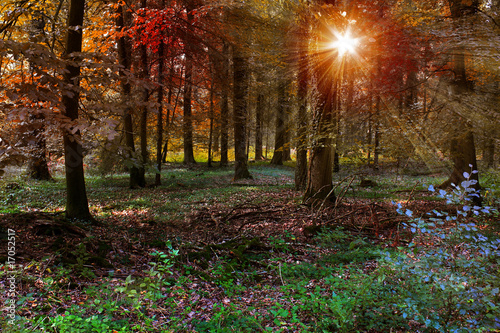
point(37, 162)
point(224, 106)
point(280, 128)
point(302, 64)
point(240, 86)
point(143, 132)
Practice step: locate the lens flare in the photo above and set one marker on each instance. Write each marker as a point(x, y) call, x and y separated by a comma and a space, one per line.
point(344, 43)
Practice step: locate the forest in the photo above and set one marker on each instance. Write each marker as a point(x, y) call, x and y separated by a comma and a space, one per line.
point(249, 166)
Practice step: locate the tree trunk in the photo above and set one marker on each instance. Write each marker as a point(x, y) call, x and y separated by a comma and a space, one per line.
point(170, 119)
point(144, 112)
point(376, 134)
point(159, 121)
point(211, 116)
point(76, 196)
point(258, 126)
point(38, 168)
point(240, 86)
point(301, 165)
point(124, 54)
point(188, 92)
point(320, 172)
point(224, 109)
point(279, 136)
point(462, 147)
point(489, 151)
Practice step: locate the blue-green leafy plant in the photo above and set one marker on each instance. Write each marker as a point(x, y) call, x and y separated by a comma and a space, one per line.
point(453, 285)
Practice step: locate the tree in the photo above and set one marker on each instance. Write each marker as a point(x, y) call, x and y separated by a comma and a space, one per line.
point(37, 164)
point(76, 195)
point(188, 84)
point(280, 134)
point(462, 147)
point(240, 84)
point(124, 56)
point(320, 171)
point(302, 92)
point(224, 106)
point(144, 75)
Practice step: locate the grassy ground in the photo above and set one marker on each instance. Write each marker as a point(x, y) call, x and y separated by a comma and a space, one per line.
point(201, 253)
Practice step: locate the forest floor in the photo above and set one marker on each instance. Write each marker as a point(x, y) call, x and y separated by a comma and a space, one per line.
point(201, 253)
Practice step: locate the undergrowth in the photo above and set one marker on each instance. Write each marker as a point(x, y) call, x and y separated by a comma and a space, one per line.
point(445, 280)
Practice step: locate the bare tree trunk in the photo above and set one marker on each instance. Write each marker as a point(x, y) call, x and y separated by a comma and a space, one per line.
point(159, 120)
point(240, 87)
point(258, 126)
point(124, 53)
point(170, 119)
point(188, 92)
point(224, 109)
point(211, 116)
point(279, 136)
point(302, 124)
point(302, 91)
point(376, 130)
point(144, 113)
point(37, 164)
point(76, 195)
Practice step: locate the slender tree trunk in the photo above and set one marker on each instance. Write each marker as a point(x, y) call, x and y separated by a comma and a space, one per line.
point(211, 116)
point(124, 54)
point(302, 91)
point(159, 121)
point(279, 137)
point(38, 168)
point(144, 112)
point(170, 120)
point(489, 151)
point(376, 130)
point(240, 86)
point(76, 195)
point(287, 148)
point(224, 109)
point(336, 119)
point(188, 92)
point(258, 126)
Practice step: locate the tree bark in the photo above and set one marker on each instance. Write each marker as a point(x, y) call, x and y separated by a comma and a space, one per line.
point(240, 86)
point(211, 116)
point(188, 93)
point(258, 126)
point(159, 120)
point(124, 54)
point(144, 112)
point(320, 172)
point(302, 91)
point(224, 109)
point(279, 136)
point(38, 168)
point(76, 196)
